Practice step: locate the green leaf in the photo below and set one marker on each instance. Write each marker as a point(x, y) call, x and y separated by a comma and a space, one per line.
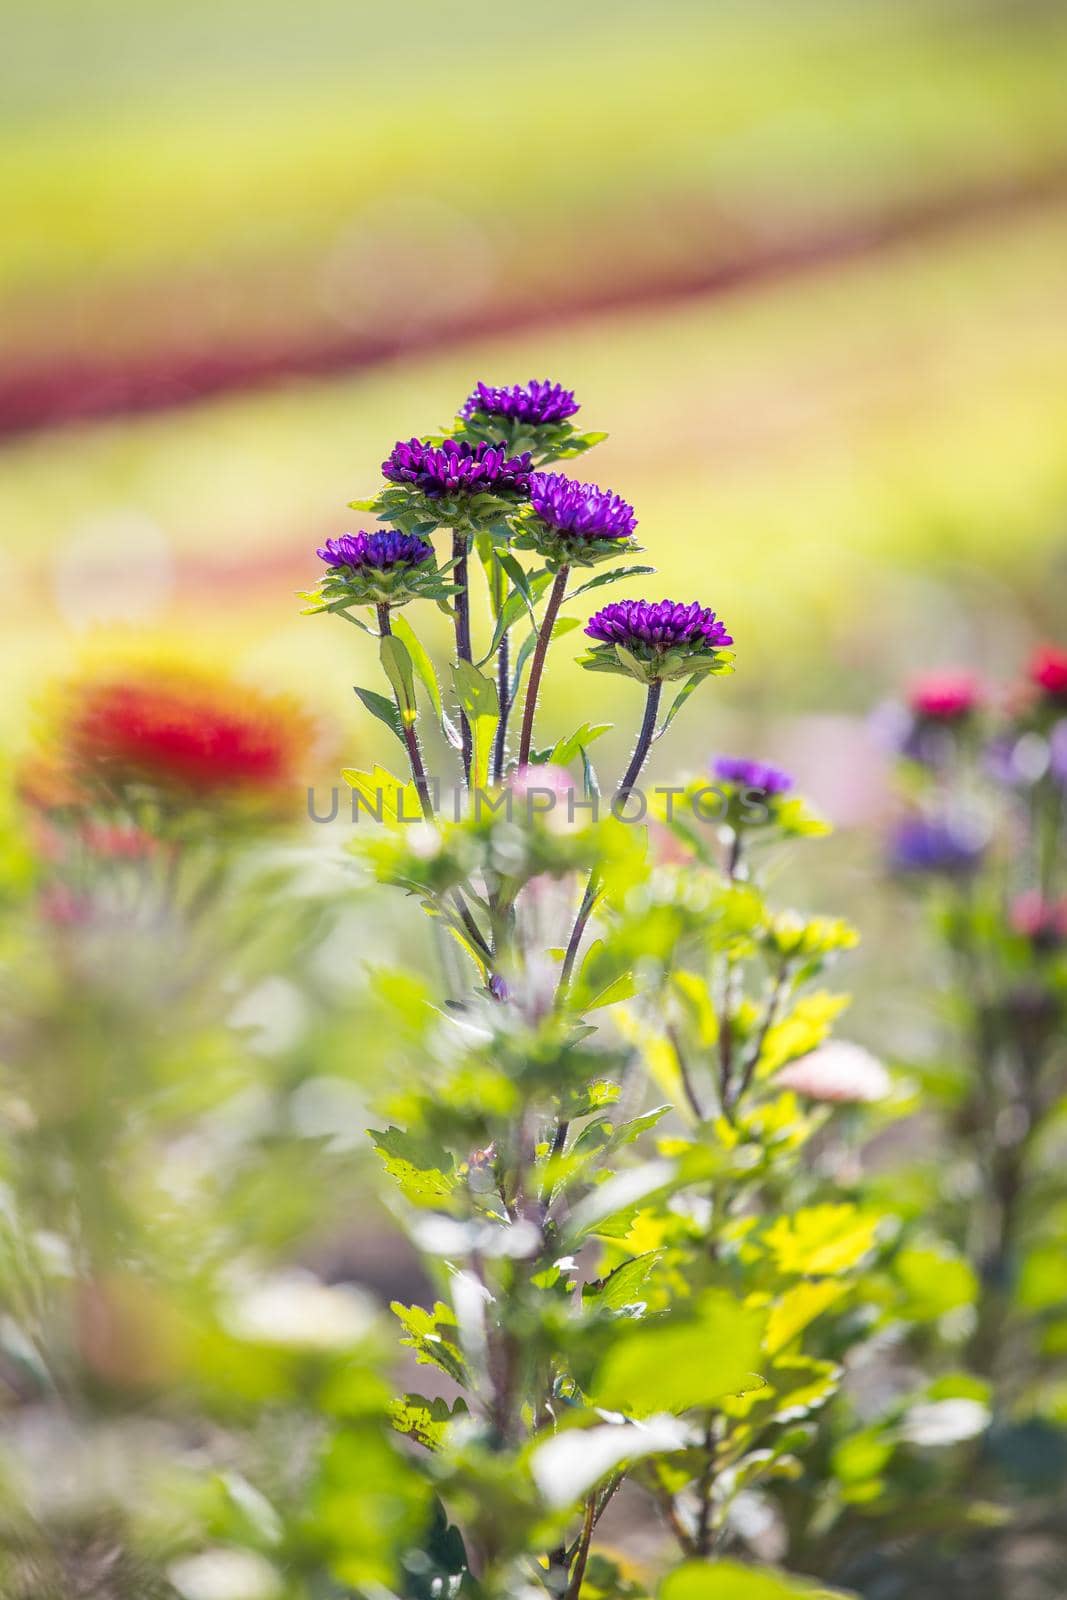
point(513, 608)
point(415, 1167)
point(624, 1286)
point(519, 578)
point(590, 779)
point(566, 749)
point(681, 1361)
point(425, 1421)
point(396, 663)
point(616, 575)
point(384, 709)
point(730, 1580)
point(478, 697)
point(433, 1335)
point(422, 664)
point(821, 1241)
point(678, 702)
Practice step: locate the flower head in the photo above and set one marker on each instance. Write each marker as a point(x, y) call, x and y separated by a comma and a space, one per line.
point(654, 640)
point(456, 468)
point(573, 524)
point(1043, 922)
point(538, 401)
point(184, 735)
point(658, 625)
point(381, 551)
point(921, 844)
point(382, 568)
point(1048, 671)
point(749, 774)
point(839, 1072)
point(581, 510)
point(945, 696)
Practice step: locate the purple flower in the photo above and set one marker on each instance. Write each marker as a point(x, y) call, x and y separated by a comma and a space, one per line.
point(748, 774)
point(537, 401)
point(382, 551)
point(936, 845)
point(583, 510)
point(659, 626)
point(456, 467)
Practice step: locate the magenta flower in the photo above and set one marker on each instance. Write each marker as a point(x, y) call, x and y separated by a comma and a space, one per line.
point(580, 511)
point(383, 550)
point(748, 774)
point(457, 468)
point(538, 401)
point(658, 625)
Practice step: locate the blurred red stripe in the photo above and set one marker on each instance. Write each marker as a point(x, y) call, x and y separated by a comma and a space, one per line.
point(45, 394)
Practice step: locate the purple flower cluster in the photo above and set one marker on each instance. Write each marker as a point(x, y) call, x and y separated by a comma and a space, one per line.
point(659, 625)
point(383, 550)
point(457, 468)
point(749, 774)
point(582, 510)
point(537, 402)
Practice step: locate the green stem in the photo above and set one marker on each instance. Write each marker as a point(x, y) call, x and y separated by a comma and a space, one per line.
point(548, 622)
point(463, 634)
point(622, 794)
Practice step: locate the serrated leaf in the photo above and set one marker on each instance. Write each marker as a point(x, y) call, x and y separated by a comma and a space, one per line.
point(623, 1287)
point(415, 1166)
point(821, 1241)
point(425, 1421)
point(677, 1362)
point(432, 1335)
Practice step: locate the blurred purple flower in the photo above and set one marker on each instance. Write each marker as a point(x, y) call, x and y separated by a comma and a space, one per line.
point(659, 625)
point(748, 774)
point(382, 550)
point(456, 467)
point(921, 844)
point(582, 509)
point(537, 401)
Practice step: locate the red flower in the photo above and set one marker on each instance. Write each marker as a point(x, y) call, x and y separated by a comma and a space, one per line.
point(1043, 922)
point(184, 733)
point(1048, 670)
point(945, 696)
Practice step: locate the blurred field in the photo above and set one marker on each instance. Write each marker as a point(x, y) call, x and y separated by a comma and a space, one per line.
point(860, 459)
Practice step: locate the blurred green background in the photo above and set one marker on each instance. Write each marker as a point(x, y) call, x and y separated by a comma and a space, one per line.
point(804, 261)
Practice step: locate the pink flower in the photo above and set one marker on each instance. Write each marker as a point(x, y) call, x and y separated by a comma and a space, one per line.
point(837, 1072)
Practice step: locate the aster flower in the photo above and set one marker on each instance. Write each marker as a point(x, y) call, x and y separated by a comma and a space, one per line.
point(181, 739)
point(657, 640)
point(1048, 672)
point(381, 551)
point(838, 1072)
point(944, 696)
point(749, 774)
point(573, 524)
point(936, 845)
point(1043, 922)
point(538, 401)
point(455, 468)
point(382, 568)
